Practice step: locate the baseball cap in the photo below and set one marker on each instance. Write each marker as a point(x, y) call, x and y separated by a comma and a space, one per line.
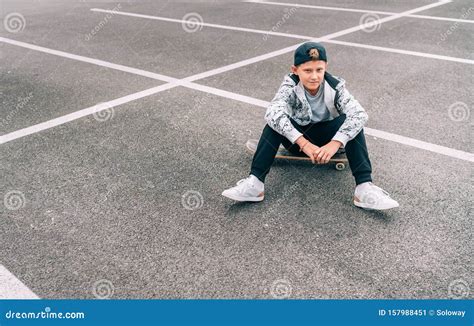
point(309, 51)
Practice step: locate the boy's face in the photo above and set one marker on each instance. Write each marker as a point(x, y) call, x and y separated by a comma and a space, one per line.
point(311, 74)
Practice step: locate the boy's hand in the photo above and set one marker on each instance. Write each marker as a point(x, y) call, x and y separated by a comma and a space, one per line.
point(307, 147)
point(323, 154)
point(309, 150)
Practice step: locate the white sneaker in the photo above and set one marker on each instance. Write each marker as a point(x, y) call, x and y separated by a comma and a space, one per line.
point(369, 196)
point(249, 189)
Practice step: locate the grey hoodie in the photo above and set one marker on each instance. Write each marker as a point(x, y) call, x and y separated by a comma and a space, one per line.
point(290, 102)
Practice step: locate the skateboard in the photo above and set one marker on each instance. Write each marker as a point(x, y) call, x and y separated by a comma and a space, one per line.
point(339, 159)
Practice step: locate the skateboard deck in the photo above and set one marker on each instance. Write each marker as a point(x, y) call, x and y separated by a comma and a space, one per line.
point(339, 159)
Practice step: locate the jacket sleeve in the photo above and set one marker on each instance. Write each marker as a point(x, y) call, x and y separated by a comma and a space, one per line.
point(356, 117)
point(279, 112)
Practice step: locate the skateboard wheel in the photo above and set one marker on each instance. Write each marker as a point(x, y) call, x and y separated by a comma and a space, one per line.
point(340, 166)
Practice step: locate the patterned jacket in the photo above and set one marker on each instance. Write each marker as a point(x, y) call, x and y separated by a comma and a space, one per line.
point(290, 102)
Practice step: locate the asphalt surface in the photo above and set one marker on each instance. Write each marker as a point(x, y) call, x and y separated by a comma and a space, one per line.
point(135, 201)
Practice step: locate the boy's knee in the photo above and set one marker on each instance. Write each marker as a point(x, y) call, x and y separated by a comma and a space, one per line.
point(271, 135)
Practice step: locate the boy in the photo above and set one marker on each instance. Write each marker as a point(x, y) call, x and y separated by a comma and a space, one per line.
point(313, 113)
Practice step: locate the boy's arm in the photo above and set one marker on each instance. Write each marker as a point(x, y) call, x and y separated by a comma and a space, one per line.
point(356, 117)
point(278, 113)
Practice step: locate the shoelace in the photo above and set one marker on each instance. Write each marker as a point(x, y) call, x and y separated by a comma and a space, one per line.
point(381, 190)
point(375, 190)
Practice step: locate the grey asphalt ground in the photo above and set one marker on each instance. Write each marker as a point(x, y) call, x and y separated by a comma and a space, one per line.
point(136, 200)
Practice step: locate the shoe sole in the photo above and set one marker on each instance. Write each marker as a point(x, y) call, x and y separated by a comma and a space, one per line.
point(361, 205)
point(243, 199)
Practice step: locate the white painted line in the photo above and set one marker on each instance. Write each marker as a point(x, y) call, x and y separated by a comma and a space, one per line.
point(457, 20)
point(181, 21)
point(122, 100)
point(384, 20)
point(242, 63)
point(82, 113)
point(295, 36)
point(465, 156)
point(226, 94)
point(407, 52)
point(292, 48)
point(89, 60)
point(12, 288)
point(297, 5)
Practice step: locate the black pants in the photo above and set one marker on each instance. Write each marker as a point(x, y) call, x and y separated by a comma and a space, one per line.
point(319, 134)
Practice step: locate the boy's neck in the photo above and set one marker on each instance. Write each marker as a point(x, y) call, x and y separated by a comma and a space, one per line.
point(312, 93)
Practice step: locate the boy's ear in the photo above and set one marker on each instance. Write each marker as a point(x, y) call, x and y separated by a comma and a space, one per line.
point(293, 69)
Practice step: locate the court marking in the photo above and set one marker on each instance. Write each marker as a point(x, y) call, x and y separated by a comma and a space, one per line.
point(198, 76)
point(83, 113)
point(292, 48)
point(406, 52)
point(12, 288)
point(295, 36)
point(93, 61)
point(297, 5)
